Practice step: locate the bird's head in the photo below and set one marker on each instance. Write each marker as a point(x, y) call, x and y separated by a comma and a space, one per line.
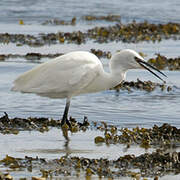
point(130, 59)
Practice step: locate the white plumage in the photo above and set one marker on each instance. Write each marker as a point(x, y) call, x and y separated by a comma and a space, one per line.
point(63, 77)
point(76, 73)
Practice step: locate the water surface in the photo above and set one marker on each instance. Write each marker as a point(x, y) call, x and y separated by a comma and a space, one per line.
point(37, 11)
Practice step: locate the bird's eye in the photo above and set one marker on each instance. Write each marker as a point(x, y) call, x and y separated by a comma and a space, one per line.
point(136, 58)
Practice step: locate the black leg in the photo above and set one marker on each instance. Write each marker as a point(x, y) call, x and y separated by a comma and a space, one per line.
point(65, 115)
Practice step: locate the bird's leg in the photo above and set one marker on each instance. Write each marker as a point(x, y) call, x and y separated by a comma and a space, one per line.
point(65, 115)
point(65, 124)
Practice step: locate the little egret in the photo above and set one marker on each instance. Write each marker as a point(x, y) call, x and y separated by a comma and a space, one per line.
point(78, 73)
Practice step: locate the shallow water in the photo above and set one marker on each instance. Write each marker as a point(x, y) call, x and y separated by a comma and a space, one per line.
point(51, 145)
point(122, 109)
point(40, 10)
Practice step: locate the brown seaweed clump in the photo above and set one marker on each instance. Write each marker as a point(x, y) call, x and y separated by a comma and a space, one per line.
point(154, 164)
point(111, 18)
point(29, 56)
point(135, 32)
point(148, 86)
point(14, 125)
point(164, 136)
point(5, 176)
point(128, 33)
point(37, 56)
point(60, 22)
point(162, 62)
point(101, 54)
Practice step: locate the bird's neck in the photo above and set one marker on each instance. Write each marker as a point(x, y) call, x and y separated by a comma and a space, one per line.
point(110, 80)
point(117, 71)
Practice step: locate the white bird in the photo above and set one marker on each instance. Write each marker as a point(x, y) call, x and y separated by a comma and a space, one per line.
point(78, 73)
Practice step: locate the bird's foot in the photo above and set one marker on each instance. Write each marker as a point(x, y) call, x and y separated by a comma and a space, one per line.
point(65, 126)
point(66, 123)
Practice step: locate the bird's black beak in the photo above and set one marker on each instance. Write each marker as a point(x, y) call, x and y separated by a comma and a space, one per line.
point(147, 66)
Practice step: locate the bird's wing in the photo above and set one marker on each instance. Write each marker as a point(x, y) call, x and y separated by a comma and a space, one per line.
point(84, 76)
point(60, 76)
